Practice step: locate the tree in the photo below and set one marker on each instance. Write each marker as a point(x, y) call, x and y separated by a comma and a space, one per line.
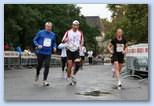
point(131, 19)
point(22, 21)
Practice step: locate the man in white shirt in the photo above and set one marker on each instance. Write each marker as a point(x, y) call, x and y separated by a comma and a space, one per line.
point(82, 55)
point(73, 39)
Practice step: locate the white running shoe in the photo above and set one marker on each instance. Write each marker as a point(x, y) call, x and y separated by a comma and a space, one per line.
point(69, 81)
point(45, 83)
point(113, 70)
point(119, 84)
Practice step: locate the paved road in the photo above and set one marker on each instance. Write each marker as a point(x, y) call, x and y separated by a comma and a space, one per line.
point(98, 78)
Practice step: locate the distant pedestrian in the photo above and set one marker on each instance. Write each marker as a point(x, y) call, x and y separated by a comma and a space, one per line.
point(90, 56)
point(63, 57)
point(82, 53)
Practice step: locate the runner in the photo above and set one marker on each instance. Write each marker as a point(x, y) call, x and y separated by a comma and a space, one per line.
point(118, 51)
point(73, 39)
point(45, 42)
point(63, 57)
point(82, 55)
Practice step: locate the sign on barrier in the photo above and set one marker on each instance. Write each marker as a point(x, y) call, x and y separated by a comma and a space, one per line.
point(13, 58)
point(137, 57)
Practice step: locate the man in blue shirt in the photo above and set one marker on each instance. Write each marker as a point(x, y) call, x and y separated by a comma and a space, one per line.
point(45, 42)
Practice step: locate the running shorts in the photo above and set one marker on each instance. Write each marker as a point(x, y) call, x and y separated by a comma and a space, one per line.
point(118, 57)
point(82, 57)
point(72, 55)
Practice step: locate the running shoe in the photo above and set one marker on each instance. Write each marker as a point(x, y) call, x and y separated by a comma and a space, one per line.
point(119, 84)
point(45, 83)
point(69, 80)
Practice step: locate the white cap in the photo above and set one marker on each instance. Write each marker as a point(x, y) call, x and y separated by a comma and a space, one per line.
point(76, 22)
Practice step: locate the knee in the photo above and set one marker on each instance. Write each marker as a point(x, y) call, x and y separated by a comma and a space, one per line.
point(69, 62)
point(116, 65)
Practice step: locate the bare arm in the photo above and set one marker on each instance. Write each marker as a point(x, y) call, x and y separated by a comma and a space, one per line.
point(125, 49)
point(109, 47)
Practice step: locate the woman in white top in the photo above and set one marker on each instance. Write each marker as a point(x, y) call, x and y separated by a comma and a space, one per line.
point(63, 55)
point(82, 55)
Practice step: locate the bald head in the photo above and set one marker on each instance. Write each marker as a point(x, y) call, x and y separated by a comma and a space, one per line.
point(48, 26)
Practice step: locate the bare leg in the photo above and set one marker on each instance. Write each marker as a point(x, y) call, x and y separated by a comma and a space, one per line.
point(76, 68)
point(120, 67)
point(116, 66)
point(69, 68)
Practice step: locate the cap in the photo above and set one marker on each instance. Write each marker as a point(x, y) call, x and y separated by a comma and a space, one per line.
point(76, 22)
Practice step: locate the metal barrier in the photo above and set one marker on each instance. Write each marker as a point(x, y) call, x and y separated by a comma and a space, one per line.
point(28, 59)
point(13, 58)
point(136, 60)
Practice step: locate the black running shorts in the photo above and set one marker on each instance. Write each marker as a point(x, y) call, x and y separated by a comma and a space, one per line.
point(82, 57)
point(72, 55)
point(118, 57)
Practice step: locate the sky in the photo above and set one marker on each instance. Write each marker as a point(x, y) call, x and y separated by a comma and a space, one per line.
point(100, 10)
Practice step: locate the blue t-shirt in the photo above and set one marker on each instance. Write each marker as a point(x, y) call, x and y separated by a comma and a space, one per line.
point(47, 40)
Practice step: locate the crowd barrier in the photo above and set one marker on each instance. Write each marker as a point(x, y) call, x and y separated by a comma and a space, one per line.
point(13, 58)
point(137, 60)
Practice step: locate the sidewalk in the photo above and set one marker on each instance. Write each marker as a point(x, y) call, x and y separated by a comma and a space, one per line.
point(95, 82)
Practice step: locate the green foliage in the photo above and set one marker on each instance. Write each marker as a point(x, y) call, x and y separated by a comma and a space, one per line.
point(132, 18)
point(22, 21)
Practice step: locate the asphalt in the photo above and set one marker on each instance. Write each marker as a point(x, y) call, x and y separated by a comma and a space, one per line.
point(94, 82)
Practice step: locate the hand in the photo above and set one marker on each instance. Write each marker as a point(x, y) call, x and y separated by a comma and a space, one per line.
point(124, 52)
point(54, 50)
point(39, 46)
point(111, 51)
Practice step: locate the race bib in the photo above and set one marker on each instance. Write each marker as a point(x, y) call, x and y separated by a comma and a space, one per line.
point(120, 47)
point(47, 42)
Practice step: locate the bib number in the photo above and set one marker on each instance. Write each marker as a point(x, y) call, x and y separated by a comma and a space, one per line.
point(120, 47)
point(47, 42)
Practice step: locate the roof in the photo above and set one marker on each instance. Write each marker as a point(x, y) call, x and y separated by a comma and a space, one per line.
point(94, 21)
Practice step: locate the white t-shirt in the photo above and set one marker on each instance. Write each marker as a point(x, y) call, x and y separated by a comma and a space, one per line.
point(73, 39)
point(90, 53)
point(62, 46)
point(82, 51)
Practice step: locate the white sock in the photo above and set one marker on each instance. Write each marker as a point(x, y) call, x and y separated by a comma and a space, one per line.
point(113, 69)
point(119, 82)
